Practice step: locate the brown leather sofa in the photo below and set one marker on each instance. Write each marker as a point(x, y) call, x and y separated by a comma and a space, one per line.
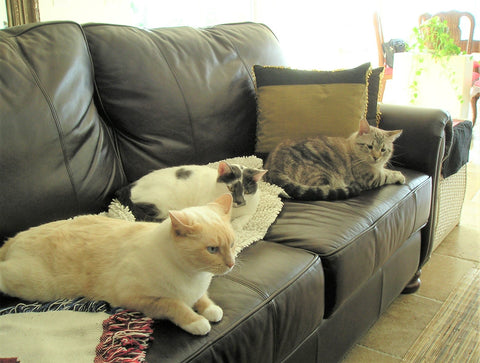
point(86, 109)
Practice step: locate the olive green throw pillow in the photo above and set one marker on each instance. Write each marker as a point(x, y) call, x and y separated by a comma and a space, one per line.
point(296, 104)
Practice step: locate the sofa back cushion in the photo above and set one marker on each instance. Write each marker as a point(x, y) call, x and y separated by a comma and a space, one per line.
point(56, 155)
point(179, 95)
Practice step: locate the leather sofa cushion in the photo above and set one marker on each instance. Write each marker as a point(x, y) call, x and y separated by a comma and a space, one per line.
point(56, 155)
point(269, 285)
point(179, 95)
point(355, 237)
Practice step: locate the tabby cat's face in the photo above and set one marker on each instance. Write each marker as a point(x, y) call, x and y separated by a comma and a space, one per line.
point(375, 147)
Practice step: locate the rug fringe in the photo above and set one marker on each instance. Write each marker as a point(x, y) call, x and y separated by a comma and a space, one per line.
point(77, 304)
point(126, 336)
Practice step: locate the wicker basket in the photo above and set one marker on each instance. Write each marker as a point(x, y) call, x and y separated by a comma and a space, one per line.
point(451, 193)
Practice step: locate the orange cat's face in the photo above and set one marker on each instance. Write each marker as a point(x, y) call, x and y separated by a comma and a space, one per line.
point(204, 237)
point(212, 249)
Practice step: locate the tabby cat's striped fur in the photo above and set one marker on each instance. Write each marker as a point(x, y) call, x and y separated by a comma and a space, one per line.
point(330, 168)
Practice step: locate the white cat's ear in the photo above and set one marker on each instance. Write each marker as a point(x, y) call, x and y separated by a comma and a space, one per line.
point(259, 175)
point(181, 224)
point(224, 168)
point(394, 134)
point(225, 202)
point(364, 127)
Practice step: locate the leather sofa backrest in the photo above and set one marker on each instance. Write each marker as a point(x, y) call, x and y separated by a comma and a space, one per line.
point(179, 95)
point(57, 158)
point(164, 97)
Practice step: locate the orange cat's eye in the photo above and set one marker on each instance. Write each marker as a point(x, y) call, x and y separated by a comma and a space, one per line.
point(212, 249)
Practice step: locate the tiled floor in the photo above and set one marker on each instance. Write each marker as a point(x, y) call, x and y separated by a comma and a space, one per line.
point(395, 332)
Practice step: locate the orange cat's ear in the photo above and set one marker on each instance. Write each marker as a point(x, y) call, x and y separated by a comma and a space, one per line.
point(225, 203)
point(181, 224)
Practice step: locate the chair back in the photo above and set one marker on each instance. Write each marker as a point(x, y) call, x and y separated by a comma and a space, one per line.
point(453, 19)
point(377, 24)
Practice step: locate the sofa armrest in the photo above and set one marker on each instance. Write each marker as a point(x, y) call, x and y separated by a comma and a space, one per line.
point(426, 137)
point(424, 144)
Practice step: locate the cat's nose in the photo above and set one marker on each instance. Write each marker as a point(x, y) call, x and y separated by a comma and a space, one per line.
point(230, 264)
point(240, 202)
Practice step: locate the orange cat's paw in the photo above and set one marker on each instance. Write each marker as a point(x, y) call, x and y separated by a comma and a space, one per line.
point(213, 313)
point(198, 327)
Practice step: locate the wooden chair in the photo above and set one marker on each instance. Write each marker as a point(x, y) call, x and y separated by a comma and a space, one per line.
point(453, 19)
point(388, 73)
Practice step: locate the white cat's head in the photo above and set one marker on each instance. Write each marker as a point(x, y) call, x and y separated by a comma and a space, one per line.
point(373, 145)
point(241, 181)
point(204, 237)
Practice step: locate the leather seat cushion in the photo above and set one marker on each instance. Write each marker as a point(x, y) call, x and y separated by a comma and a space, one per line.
point(356, 236)
point(270, 284)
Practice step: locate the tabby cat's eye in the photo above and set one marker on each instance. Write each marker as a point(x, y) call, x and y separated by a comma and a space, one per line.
point(212, 249)
point(370, 147)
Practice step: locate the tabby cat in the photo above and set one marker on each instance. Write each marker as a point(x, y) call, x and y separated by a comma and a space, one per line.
point(161, 269)
point(153, 195)
point(330, 168)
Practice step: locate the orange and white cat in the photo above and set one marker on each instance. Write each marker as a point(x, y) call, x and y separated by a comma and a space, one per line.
point(161, 269)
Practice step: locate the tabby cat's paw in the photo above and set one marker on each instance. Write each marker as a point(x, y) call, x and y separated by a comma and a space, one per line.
point(198, 327)
point(213, 313)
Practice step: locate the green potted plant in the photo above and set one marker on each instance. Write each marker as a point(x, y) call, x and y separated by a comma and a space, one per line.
point(433, 38)
point(434, 69)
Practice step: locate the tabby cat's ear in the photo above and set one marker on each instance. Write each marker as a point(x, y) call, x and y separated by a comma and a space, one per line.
point(224, 168)
point(181, 224)
point(394, 134)
point(224, 204)
point(364, 127)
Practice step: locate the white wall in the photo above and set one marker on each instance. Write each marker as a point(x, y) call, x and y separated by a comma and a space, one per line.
point(84, 11)
point(148, 13)
point(315, 34)
point(3, 16)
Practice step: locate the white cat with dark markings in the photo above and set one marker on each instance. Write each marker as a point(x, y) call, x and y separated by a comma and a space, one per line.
point(153, 195)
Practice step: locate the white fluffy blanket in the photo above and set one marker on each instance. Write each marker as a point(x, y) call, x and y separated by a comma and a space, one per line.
point(268, 208)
